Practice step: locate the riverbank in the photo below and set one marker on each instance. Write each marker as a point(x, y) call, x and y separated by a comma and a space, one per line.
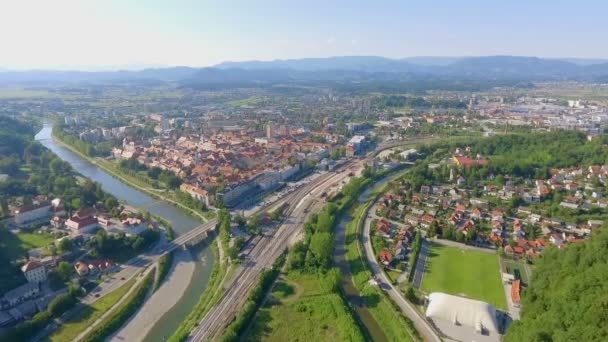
point(416, 325)
point(172, 213)
point(167, 295)
point(369, 298)
point(114, 172)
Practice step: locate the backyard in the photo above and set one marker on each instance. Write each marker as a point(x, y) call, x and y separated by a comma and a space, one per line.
point(468, 273)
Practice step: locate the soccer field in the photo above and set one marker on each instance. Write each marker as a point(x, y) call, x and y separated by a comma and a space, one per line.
point(467, 273)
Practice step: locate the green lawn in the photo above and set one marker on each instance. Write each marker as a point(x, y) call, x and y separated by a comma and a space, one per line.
point(301, 308)
point(35, 240)
point(516, 268)
point(467, 273)
point(77, 324)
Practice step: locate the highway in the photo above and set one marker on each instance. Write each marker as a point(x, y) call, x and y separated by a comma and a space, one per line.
point(301, 203)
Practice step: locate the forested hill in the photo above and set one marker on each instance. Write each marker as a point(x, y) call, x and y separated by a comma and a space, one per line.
point(568, 296)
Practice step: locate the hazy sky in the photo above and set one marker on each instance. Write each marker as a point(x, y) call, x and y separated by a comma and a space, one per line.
point(86, 33)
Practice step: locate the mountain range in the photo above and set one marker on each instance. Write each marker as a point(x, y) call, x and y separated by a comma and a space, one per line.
point(340, 69)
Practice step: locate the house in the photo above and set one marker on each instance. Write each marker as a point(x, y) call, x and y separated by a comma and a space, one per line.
point(556, 239)
point(82, 269)
point(83, 222)
point(515, 292)
point(34, 272)
point(461, 181)
point(400, 250)
point(467, 162)
point(384, 227)
point(530, 197)
point(569, 205)
point(31, 213)
point(426, 221)
point(134, 225)
point(385, 257)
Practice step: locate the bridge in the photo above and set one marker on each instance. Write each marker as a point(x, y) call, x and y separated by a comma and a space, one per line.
point(189, 238)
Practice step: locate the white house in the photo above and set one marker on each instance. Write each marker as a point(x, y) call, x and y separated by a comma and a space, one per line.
point(30, 213)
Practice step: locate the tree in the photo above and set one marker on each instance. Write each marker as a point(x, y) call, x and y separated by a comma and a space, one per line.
point(65, 245)
point(240, 221)
point(65, 270)
point(253, 226)
point(233, 253)
point(9, 165)
point(566, 300)
point(434, 230)
point(410, 295)
point(322, 247)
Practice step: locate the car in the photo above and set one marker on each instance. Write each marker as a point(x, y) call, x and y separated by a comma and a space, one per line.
point(97, 295)
point(122, 278)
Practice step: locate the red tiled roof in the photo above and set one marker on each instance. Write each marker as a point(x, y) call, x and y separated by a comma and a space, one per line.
point(515, 291)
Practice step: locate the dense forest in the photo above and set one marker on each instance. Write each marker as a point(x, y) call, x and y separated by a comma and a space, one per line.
point(568, 296)
point(517, 155)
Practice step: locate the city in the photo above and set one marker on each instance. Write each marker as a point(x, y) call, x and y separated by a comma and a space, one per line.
point(224, 195)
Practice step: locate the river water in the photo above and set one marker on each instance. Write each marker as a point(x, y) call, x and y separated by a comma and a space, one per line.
point(180, 221)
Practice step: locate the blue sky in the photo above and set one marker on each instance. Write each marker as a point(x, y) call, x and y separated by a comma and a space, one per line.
point(89, 33)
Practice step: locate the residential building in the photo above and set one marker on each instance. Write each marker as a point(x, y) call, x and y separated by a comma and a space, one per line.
point(34, 272)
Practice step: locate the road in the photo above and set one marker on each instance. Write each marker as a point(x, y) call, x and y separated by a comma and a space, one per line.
point(408, 309)
point(301, 203)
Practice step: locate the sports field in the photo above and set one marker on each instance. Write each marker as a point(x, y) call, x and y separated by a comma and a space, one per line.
point(467, 273)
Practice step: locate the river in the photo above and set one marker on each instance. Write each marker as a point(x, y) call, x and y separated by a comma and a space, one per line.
point(180, 221)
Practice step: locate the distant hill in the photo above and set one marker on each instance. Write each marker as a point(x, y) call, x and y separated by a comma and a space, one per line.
point(353, 69)
point(526, 68)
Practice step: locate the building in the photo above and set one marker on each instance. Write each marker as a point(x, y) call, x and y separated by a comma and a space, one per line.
point(408, 154)
point(463, 319)
point(516, 292)
point(197, 193)
point(83, 222)
point(32, 213)
point(466, 161)
point(21, 294)
point(269, 131)
point(357, 144)
point(34, 272)
point(134, 226)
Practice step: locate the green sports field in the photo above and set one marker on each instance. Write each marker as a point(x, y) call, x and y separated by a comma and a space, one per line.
point(467, 273)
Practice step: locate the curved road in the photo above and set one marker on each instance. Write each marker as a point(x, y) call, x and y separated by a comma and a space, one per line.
point(408, 309)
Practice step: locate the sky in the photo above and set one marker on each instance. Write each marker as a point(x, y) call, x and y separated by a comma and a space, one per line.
point(95, 34)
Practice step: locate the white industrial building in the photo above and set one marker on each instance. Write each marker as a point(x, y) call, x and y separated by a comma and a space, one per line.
point(463, 319)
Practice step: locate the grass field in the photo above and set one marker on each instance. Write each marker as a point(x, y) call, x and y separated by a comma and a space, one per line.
point(302, 308)
point(517, 268)
point(76, 325)
point(467, 273)
point(33, 240)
